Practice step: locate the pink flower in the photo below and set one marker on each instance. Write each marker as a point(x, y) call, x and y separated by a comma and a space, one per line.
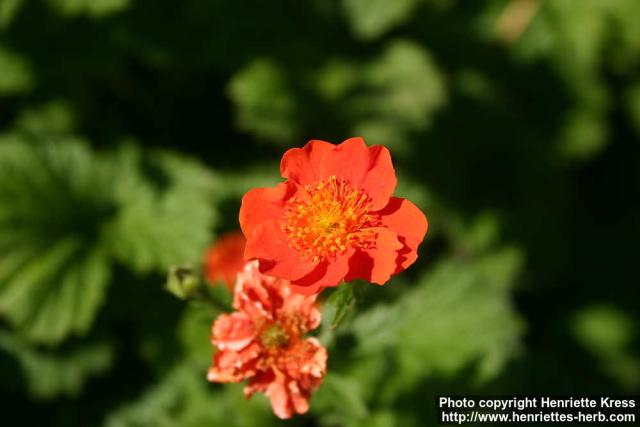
point(263, 342)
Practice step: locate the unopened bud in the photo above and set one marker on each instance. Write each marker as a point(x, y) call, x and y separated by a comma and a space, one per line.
point(183, 282)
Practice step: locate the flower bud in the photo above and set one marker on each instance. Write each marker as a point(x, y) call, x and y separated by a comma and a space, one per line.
point(183, 282)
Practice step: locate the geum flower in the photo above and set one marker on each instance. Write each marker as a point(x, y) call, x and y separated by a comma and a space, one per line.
point(263, 341)
point(225, 259)
point(333, 219)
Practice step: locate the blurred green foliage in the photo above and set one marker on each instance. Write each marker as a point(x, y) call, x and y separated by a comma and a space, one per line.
point(131, 128)
point(608, 334)
point(16, 74)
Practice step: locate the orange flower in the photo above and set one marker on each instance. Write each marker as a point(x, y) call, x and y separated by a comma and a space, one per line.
point(263, 341)
point(224, 259)
point(333, 219)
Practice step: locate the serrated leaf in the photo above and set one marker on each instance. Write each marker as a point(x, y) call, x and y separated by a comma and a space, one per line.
point(53, 274)
point(166, 216)
point(65, 212)
point(459, 299)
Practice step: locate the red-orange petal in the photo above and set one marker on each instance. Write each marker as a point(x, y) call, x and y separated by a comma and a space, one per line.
point(233, 331)
point(380, 180)
point(304, 307)
point(251, 295)
point(225, 259)
point(234, 366)
point(259, 382)
point(411, 225)
point(262, 204)
point(408, 254)
point(318, 160)
point(270, 245)
point(378, 263)
point(404, 218)
point(302, 165)
point(299, 398)
point(278, 395)
point(350, 161)
point(307, 360)
point(328, 273)
point(307, 289)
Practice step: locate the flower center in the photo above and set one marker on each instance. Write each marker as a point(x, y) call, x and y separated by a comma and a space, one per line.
point(274, 336)
point(326, 220)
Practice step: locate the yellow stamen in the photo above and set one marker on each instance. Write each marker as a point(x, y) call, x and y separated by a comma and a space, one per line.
point(329, 217)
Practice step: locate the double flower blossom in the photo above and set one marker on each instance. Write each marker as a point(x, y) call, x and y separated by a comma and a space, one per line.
point(334, 219)
point(263, 341)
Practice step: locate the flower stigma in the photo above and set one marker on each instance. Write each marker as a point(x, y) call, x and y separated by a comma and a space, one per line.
point(274, 336)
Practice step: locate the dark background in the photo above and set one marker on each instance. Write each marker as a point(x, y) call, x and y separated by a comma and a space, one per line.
point(131, 128)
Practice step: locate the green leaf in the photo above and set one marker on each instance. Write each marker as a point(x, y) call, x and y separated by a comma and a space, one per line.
point(93, 8)
point(406, 84)
point(154, 407)
point(194, 332)
point(586, 33)
point(53, 271)
point(339, 303)
point(237, 183)
point(8, 10)
point(400, 91)
point(52, 373)
point(468, 300)
point(339, 401)
point(66, 212)
point(372, 18)
point(585, 133)
point(55, 117)
point(603, 329)
point(264, 104)
point(633, 106)
point(167, 213)
point(16, 76)
point(607, 333)
point(473, 237)
point(560, 27)
point(184, 398)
